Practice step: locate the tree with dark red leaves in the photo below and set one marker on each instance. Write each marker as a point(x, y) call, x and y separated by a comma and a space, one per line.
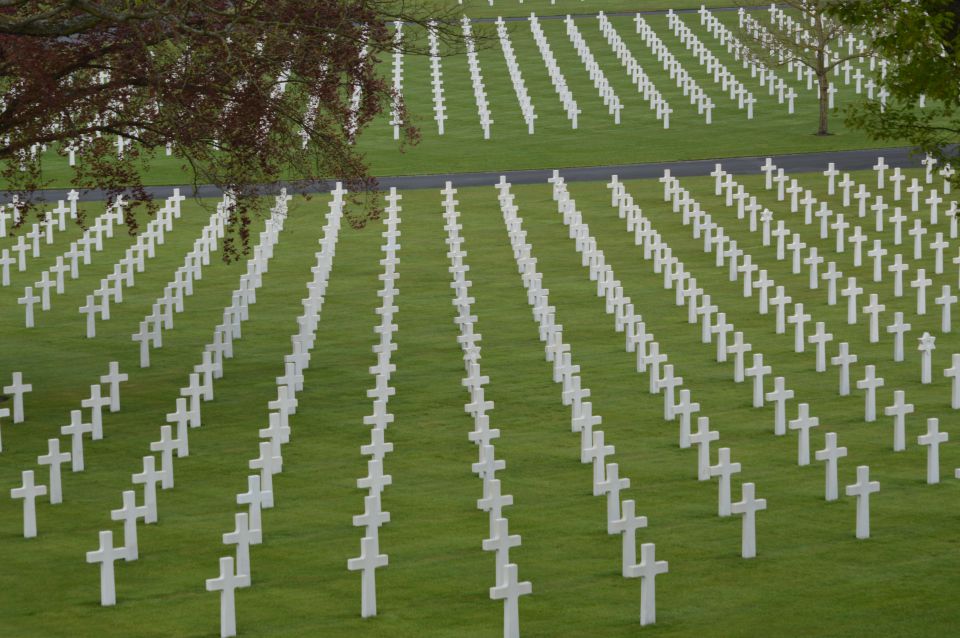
point(244, 92)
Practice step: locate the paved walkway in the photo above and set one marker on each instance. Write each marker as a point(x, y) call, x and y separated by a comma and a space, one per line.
point(792, 163)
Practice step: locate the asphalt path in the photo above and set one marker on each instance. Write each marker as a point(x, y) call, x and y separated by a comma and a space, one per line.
point(863, 159)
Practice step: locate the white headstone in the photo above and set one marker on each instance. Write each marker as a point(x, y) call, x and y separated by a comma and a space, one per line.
point(830, 454)
point(509, 592)
point(749, 505)
point(106, 555)
point(29, 491)
point(647, 571)
point(932, 441)
point(227, 583)
point(724, 469)
point(627, 525)
point(17, 388)
point(862, 489)
point(803, 423)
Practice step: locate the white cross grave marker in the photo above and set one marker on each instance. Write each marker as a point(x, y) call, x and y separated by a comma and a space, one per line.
point(803, 423)
point(509, 592)
point(149, 478)
point(869, 385)
point(647, 570)
point(724, 469)
point(899, 411)
point(106, 555)
point(702, 438)
point(29, 491)
point(862, 489)
point(227, 583)
point(627, 525)
point(831, 454)
point(129, 514)
point(243, 537)
point(749, 505)
point(54, 458)
point(17, 388)
point(113, 379)
point(932, 440)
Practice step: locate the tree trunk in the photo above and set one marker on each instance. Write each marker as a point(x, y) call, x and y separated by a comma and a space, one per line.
point(824, 82)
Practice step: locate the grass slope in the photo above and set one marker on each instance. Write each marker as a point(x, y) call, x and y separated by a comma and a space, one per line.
point(812, 577)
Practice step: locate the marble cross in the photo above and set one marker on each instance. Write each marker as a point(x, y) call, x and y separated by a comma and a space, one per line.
point(830, 454)
point(749, 505)
point(862, 489)
point(647, 570)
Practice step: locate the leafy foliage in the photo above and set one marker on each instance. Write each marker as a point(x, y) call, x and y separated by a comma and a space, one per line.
point(921, 42)
point(231, 87)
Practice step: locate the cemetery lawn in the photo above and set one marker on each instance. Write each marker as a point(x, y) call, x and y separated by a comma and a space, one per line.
point(811, 576)
point(597, 141)
point(482, 8)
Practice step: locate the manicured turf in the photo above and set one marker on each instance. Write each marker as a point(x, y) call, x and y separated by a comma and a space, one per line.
point(639, 138)
point(482, 8)
point(812, 577)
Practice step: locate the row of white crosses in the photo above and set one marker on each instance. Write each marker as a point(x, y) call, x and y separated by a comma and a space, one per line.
point(396, 120)
point(621, 517)
point(516, 77)
point(844, 358)
point(716, 239)
point(15, 390)
point(766, 75)
point(600, 81)
point(721, 74)
point(28, 243)
point(637, 75)
point(506, 585)
point(675, 275)
point(150, 329)
point(170, 446)
point(832, 274)
point(55, 276)
point(899, 267)
point(870, 383)
point(235, 571)
point(661, 375)
point(175, 292)
point(914, 191)
point(133, 261)
point(946, 299)
point(54, 458)
point(375, 481)
point(436, 77)
point(14, 216)
point(479, 92)
point(553, 69)
point(878, 251)
point(672, 66)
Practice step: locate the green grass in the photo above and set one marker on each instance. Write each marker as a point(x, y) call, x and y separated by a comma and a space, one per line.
point(639, 138)
point(812, 577)
point(482, 8)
